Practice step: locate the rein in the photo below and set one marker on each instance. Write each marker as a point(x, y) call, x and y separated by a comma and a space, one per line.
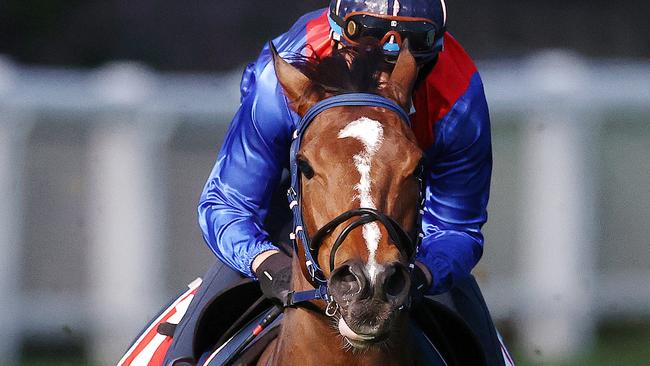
point(307, 247)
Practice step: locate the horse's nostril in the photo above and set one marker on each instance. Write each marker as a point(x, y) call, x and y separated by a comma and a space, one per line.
point(396, 281)
point(346, 283)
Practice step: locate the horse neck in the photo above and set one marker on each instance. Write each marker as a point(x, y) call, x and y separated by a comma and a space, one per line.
point(311, 338)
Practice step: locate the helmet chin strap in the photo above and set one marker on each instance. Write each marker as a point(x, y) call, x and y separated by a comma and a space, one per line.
point(336, 30)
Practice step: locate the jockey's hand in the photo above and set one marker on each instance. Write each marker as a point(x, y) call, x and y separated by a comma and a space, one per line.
point(274, 274)
point(421, 280)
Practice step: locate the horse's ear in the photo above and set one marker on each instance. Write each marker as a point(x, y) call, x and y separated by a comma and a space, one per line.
point(293, 82)
point(404, 75)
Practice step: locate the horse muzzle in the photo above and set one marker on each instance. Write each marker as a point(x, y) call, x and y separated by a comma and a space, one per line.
point(369, 305)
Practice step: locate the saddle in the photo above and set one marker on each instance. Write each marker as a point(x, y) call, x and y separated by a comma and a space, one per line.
point(230, 316)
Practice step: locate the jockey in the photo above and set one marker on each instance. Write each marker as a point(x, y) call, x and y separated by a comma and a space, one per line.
point(450, 120)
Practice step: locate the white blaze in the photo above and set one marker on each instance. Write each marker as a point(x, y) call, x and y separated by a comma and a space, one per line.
point(396, 8)
point(371, 135)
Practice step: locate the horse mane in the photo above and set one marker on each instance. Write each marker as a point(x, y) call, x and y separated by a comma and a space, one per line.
point(350, 69)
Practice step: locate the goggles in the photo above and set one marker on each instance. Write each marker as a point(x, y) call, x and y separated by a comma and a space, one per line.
point(423, 35)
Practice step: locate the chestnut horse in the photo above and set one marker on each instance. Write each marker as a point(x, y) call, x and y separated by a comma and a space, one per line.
point(353, 157)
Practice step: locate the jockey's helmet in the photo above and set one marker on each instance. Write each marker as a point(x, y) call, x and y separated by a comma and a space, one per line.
point(422, 22)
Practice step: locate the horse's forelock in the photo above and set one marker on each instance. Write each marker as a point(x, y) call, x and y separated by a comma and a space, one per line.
point(347, 70)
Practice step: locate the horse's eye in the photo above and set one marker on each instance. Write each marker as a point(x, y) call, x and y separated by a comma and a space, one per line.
point(305, 169)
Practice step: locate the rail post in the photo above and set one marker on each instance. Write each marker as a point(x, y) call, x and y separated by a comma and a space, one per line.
point(15, 127)
point(127, 212)
point(557, 261)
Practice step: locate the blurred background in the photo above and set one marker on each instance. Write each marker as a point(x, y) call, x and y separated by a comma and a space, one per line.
point(112, 113)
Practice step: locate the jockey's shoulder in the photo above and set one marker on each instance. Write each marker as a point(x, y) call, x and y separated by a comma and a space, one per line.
point(451, 92)
point(313, 29)
point(454, 67)
point(453, 78)
point(309, 31)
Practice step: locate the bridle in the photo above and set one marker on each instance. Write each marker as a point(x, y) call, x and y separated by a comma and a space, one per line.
point(307, 247)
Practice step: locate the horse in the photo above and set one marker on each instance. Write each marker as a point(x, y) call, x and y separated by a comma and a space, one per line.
point(358, 171)
point(356, 196)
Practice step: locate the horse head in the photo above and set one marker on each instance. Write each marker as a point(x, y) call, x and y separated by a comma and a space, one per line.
point(358, 157)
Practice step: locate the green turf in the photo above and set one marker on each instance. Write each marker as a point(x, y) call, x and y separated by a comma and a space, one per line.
point(615, 347)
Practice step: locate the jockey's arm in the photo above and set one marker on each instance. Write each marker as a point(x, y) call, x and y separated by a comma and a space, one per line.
point(457, 190)
point(235, 200)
